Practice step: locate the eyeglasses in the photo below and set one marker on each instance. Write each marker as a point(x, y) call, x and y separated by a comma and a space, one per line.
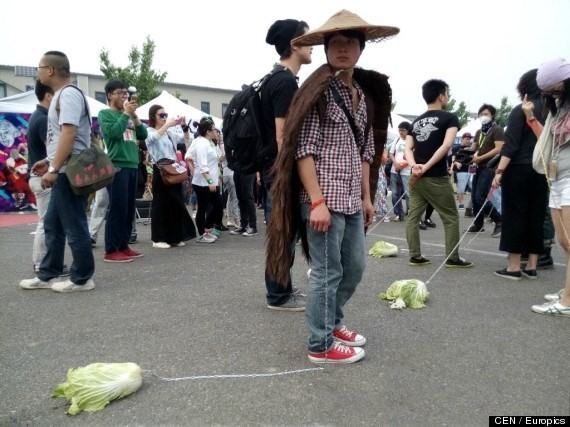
point(121, 92)
point(163, 115)
point(554, 92)
point(43, 66)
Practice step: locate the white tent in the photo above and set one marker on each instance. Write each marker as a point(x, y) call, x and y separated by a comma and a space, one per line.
point(26, 103)
point(471, 127)
point(174, 107)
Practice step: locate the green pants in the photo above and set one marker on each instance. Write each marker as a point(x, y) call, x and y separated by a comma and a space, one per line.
point(438, 192)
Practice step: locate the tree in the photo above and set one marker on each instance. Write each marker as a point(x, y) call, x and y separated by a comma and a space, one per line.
point(138, 73)
point(461, 111)
point(503, 112)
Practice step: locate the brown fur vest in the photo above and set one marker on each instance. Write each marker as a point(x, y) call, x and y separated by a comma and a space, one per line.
point(285, 225)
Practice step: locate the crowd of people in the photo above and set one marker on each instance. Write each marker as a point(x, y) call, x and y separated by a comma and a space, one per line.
point(320, 178)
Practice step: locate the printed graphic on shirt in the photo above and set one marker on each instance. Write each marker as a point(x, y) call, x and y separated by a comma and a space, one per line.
point(424, 127)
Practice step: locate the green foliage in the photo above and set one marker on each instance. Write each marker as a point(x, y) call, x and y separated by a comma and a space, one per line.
point(503, 112)
point(461, 111)
point(139, 73)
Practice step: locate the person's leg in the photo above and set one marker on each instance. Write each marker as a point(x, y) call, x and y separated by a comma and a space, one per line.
point(98, 212)
point(202, 198)
point(462, 180)
point(241, 192)
point(429, 212)
point(396, 202)
point(248, 181)
point(74, 222)
point(117, 216)
point(51, 265)
point(440, 196)
point(406, 187)
point(326, 274)
point(417, 207)
point(561, 220)
point(233, 206)
point(477, 201)
point(130, 202)
point(42, 202)
point(353, 261)
point(483, 188)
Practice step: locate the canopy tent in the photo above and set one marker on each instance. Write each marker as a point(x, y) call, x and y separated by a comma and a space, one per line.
point(393, 129)
point(26, 103)
point(174, 107)
point(471, 127)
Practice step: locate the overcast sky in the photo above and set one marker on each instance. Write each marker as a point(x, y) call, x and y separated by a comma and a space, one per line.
point(480, 48)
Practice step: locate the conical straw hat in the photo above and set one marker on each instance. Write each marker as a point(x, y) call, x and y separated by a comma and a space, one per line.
point(345, 20)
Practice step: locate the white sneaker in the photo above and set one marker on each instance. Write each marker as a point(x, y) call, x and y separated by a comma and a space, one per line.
point(36, 283)
point(69, 286)
point(180, 244)
point(160, 245)
point(206, 238)
point(554, 297)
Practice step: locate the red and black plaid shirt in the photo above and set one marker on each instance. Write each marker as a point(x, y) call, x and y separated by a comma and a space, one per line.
point(338, 157)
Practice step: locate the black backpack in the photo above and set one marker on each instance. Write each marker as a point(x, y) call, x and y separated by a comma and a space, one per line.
point(245, 144)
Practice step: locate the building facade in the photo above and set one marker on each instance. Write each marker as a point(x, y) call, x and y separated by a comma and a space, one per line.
point(15, 79)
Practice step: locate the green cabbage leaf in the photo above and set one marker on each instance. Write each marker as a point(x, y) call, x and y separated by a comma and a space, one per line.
point(412, 292)
point(92, 387)
point(383, 249)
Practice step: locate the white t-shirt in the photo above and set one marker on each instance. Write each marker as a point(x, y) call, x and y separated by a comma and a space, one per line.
point(397, 150)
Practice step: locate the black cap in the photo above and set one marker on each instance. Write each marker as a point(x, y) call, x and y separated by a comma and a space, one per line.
point(281, 33)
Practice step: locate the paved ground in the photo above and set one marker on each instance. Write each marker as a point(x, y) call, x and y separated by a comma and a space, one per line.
point(475, 350)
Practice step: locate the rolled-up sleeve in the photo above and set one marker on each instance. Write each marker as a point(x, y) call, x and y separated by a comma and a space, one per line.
point(309, 136)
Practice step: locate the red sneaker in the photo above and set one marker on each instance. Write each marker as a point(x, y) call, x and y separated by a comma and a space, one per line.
point(117, 256)
point(338, 353)
point(131, 254)
point(349, 338)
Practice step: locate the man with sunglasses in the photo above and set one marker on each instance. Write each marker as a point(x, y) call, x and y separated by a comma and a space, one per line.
point(121, 130)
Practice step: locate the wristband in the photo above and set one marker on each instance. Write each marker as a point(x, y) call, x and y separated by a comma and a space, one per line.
point(317, 203)
point(210, 181)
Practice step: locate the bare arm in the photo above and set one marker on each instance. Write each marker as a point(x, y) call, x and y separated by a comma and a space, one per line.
point(320, 215)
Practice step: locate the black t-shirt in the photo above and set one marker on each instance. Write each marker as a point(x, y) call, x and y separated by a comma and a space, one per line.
point(37, 135)
point(276, 96)
point(428, 131)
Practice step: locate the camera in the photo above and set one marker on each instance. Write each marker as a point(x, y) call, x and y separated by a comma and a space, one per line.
point(133, 94)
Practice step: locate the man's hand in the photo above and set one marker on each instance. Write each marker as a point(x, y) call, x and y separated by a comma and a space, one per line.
point(320, 218)
point(418, 170)
point(368, 211)
point(48, 179)
point(40, 168)
point(131, 107)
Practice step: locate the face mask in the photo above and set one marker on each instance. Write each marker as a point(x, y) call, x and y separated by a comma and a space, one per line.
point(485, 119)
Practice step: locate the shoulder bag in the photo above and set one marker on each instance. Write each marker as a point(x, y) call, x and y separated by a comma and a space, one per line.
point(172, 172)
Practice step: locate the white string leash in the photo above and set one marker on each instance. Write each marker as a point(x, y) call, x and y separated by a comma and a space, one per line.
point(231, 376)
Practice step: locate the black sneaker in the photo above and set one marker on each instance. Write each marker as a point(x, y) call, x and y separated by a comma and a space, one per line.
point(459, 263)
point(474, 229)
point(496, 231)
point(511, 275)
point(132, 239)
point(294, 303)
point(530, 274)
point(429, 223)
point(415, 262)
point(422, 226)
point(221, 227)
point(249, 232)
point(238, 230)
point(544, 262)
point(468, 212)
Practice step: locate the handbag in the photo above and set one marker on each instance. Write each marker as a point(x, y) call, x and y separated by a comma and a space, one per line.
point(542, 152)
point(172, 173)
point(89, 171)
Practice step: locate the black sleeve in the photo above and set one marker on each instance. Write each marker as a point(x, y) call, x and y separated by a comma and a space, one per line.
point(514, 132)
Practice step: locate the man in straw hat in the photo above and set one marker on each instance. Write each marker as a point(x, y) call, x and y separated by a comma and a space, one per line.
point(336, 122)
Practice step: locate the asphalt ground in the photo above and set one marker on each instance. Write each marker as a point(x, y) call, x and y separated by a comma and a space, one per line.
point(476, 350)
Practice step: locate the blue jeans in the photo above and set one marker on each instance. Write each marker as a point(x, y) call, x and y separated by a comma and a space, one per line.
point(481, 186)
point(396, 195)
point(66, 218)
point(122, 201)
point(338, 258)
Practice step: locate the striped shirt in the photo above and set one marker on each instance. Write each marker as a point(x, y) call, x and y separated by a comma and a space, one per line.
point(338, 157)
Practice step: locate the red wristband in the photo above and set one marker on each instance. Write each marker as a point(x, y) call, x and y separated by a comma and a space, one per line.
point(317, 203)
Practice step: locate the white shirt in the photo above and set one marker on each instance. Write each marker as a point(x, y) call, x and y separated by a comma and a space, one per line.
point(205, 156)
point(397, 150)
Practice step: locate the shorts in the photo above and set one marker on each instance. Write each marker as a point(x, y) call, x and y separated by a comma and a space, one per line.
point(559, 194)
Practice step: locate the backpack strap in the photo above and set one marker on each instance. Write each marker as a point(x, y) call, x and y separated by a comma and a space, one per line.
point(87, 111)
point(340, 102)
